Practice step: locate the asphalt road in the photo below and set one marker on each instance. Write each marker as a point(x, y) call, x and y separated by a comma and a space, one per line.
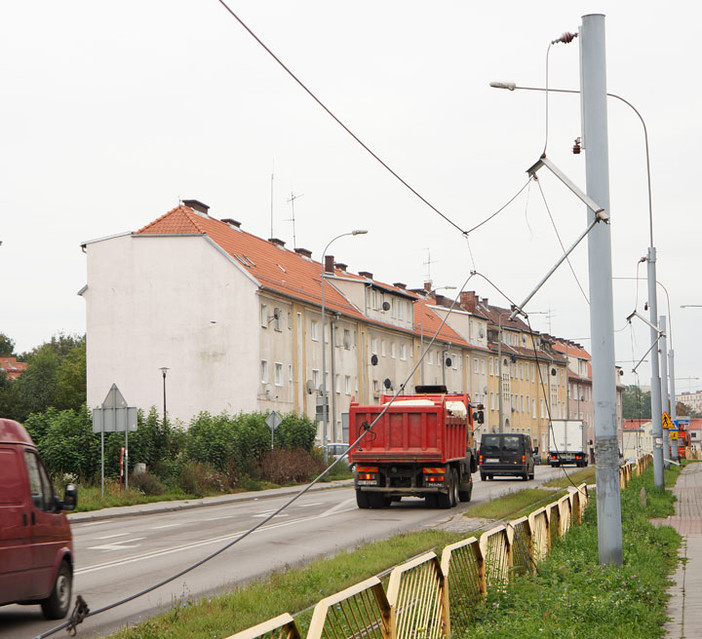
point(119, 557)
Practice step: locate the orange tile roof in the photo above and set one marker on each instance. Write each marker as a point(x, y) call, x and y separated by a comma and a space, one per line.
point(13, 369)
point(289, 273)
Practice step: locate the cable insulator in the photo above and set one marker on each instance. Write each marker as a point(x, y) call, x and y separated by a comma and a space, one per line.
point(566, 38)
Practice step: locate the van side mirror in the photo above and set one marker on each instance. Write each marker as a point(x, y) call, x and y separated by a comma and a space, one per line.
point(478, 416)
point(70, 497)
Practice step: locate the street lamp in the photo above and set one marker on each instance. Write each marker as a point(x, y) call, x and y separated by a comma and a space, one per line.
point(164, 370)
point(656, 404)
point(325, 406)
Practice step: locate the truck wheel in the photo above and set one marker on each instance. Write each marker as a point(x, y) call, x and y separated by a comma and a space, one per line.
point(465, 495)
point(378, 500)
point(57, 604)
point(362, 499)
point(449, 500)
point(483, 476)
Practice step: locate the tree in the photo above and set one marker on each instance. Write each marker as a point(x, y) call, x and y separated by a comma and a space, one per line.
point(636, 404)
point(7, 346)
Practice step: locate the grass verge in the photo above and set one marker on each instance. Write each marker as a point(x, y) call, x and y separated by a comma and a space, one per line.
point(514, 505)
point(290, 590)
point(573, 596)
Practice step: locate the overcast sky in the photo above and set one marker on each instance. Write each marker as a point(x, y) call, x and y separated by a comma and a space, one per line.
point(112, 112)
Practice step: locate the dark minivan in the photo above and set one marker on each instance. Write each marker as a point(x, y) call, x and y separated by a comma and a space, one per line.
point(506, 454)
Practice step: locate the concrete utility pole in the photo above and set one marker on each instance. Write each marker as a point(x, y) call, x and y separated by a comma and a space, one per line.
point(665, 399)
point(671, 378)
point(604, 384)
point(656, 405)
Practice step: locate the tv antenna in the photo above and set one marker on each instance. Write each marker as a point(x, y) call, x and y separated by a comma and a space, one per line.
point(291, 202)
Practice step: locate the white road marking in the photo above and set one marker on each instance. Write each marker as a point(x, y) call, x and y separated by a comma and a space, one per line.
point(338, 508)
point(165, 526)
point(120, 545)
point(112, 536)
point(269, 513)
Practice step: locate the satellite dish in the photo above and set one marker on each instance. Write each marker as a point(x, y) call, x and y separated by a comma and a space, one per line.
point(309, 387)
point(374, 360)
point(448, 362)
point(553, 372)
point(387, 382)
point(514, 359)
point(386, 306)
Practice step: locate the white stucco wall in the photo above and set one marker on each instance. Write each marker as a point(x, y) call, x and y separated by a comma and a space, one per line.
point(177, 302)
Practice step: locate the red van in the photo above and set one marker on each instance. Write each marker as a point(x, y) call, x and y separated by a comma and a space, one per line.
point(36, 546)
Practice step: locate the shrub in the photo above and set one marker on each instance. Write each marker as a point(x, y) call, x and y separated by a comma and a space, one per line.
point(282, 466)
point(200, 479)
point(147, 483)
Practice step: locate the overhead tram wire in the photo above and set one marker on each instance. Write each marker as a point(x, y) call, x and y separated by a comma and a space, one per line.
point(73, 621)
point(337, 120)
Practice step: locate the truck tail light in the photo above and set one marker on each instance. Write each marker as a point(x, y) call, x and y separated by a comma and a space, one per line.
point(434, 475)
point(523, 459)
point(480, 459)
point(366, 473)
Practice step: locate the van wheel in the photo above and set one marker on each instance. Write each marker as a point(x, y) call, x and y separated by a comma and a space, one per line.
point(57, 604)
point(531, 475)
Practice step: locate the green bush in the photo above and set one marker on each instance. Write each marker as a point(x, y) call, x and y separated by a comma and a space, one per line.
point(201, 479)
point(147, 483)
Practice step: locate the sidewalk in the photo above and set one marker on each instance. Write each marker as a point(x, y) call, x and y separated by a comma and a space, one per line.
point(170, 506)
point(685, 605)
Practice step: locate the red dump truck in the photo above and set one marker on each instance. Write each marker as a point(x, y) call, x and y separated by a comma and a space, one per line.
point(422, 446)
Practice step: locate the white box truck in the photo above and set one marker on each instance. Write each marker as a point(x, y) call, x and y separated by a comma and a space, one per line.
point(567, 442)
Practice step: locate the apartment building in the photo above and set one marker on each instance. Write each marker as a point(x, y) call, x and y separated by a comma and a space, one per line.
point(237, 321)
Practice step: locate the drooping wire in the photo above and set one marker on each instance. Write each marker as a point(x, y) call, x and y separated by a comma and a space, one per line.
point(337, 120)
point(547, 400)
point(502, 208)
point(560, 241)
point(368, 431)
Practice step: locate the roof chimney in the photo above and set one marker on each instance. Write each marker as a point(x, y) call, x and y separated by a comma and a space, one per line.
point(196, 205)
point(304, 252)
point(469, 301)
point(427, 286)
point(276, 241)
point(366, 274)
point(231, 222)
point(400, 285)
point(328, 263)
point(341, 266)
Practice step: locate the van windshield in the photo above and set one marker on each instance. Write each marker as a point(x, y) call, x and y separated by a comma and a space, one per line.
point(501, 442)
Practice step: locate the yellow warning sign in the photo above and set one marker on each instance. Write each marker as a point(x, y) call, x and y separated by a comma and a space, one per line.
point(673, 434)
point(667, 422)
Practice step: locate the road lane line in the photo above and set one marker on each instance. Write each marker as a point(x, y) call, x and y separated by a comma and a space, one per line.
point(205, 542)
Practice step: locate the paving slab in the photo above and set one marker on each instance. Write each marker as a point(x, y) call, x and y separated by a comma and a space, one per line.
point(685, 606)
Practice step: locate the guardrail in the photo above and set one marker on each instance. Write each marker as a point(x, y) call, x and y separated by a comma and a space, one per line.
point(428, 597)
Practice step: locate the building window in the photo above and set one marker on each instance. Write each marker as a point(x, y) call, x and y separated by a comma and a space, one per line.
point(454, 361)
point(492, 401)
point(403, 352)
point(382, 347)
point(347, 381)
point(314, 329)
point(393, 350)
point(476, 366)
point(430, 356)
point(374, 346)
point(290, 373)
point(278, 374)
point(277, 322)
point(492, 367)
point(482, 367)
point(347, 339)
point(315, 378)
point(337, 383)
point(264, 371)
point(264, 316)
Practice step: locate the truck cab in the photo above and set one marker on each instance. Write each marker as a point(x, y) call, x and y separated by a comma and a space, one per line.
point(36, 545)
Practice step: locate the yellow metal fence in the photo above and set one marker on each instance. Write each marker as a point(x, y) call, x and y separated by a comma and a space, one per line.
point(428, 597)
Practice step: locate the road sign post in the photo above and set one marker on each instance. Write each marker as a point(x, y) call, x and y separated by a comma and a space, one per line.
point(114, 416)
point(273, 420)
